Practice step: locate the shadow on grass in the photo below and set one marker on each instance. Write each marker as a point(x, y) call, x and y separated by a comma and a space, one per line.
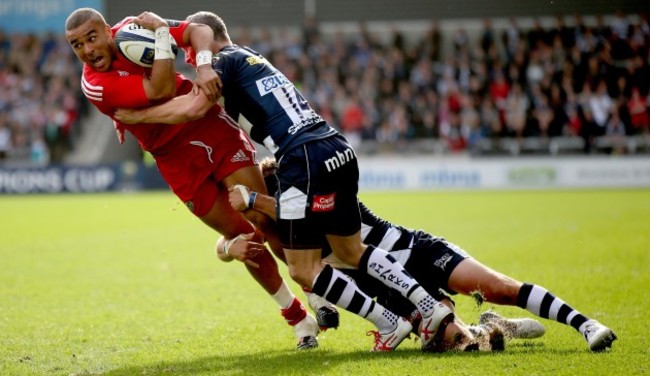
point(292, 362)
point(271, 363)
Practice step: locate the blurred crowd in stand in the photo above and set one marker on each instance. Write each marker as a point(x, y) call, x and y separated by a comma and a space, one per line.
point(576, 79)
point(572, 79)
point(40, 100)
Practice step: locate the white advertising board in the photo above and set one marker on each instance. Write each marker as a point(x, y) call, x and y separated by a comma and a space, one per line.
point(422, 173)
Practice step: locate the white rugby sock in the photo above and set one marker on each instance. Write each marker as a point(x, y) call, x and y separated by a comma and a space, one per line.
point(283, 296)
point(382, 266)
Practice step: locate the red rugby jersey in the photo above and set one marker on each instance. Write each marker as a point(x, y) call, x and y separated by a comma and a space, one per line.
point(122, 87)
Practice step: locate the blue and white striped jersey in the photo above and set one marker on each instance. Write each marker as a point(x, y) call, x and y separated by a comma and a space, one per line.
point(265, 103)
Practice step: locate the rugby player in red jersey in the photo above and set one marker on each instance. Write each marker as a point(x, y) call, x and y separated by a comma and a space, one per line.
point(198, 159)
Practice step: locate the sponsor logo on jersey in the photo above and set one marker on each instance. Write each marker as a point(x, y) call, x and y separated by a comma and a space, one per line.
point(252, 60)
point(323, 203)
point(268, 84)
point(240, 156)
point(339, 159)
point(314, 119)
point(207, 148)
point(122, 73)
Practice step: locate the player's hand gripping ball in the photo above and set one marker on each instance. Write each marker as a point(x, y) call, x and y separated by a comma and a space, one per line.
point(137, 44)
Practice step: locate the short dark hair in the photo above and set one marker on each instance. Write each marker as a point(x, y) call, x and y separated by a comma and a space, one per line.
point(80, 16)
point(213, 21)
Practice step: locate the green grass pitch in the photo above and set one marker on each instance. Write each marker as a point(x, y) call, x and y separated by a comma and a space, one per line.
point(128, 284)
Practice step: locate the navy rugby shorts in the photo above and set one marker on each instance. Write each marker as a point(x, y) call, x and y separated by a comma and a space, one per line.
point(317, 191)
point(432, 260)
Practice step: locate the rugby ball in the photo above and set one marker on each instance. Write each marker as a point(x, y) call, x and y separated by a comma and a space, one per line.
point(136, 43)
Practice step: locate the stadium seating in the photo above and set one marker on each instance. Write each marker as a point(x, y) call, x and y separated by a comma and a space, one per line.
point(567, 85)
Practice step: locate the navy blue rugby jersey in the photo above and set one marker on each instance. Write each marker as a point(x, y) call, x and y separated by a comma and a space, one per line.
point(274, 112)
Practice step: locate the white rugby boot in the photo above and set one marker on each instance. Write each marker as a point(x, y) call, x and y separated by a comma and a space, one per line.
point(598, 336)
point(520, 328)
point(306, 331)
point(390, 341)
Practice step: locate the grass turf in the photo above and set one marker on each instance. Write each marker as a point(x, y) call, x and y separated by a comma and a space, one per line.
point(129, 284)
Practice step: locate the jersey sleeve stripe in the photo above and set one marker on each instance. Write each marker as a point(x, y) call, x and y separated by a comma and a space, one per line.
point(223, 115)
point(92, 92)
point(92, 95)
point(89, 86)
point(96, 99)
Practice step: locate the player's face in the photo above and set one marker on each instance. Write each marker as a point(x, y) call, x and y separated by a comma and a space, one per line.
point(190, 56)
point(93, 44)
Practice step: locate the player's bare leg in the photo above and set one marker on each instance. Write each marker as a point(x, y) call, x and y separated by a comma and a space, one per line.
point(251, 177)
point(264, 270)
point(471, 277)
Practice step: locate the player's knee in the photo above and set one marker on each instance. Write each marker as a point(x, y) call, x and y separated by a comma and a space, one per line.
point(300, 276)
point(349, 252)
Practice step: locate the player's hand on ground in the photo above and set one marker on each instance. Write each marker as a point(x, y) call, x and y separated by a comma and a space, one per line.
point(208, 81)
point(245, 248)
point(127, 116)
point(238, 196)
point(150, 20)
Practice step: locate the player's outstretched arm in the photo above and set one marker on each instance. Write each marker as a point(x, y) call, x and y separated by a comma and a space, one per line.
point(181, 109)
